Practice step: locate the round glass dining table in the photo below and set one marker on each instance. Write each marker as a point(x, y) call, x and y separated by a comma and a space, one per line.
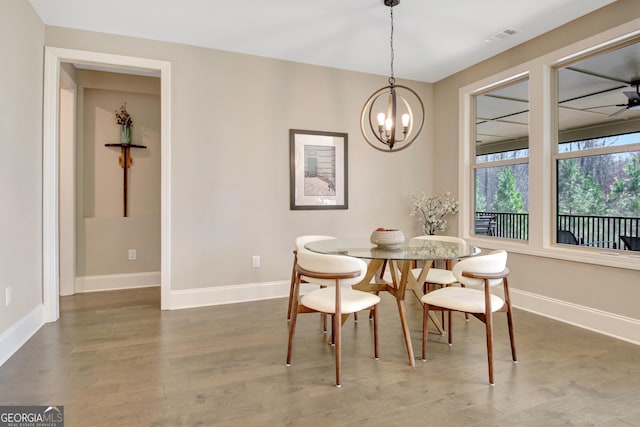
point(400, 260)
point(410, 250)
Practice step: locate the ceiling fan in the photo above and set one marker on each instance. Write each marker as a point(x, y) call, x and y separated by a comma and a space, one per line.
point(633, 102)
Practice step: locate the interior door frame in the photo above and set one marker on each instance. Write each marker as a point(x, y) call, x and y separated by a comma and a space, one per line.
point(67, 116)
point(50, 174)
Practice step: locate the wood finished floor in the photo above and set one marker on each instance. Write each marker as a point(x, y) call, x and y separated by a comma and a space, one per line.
point(115, 359)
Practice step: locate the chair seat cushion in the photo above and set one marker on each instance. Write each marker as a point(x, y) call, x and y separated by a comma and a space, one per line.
point(324, 300)
point(461, 299)
point(438, 276)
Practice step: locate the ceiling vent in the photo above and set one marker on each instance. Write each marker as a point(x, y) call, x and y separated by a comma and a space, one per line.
point(500, 35)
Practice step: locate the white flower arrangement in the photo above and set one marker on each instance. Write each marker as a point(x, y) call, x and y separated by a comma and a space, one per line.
point(432, 211)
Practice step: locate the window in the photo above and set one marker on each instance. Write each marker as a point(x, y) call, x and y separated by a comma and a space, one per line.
point(501, 166)
point(597, 156)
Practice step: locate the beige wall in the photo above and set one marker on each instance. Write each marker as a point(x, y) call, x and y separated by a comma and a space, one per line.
point(231, 116)
point(612, 290)
point(104, 236)
point(230, 119)
point(21, 160)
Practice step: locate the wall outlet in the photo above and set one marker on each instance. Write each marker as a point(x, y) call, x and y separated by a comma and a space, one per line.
point(132, 255)
point(7, 296)
point(255, 261)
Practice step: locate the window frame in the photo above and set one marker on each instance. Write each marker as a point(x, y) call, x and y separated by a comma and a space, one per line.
point(543, 152)
point(496, 163)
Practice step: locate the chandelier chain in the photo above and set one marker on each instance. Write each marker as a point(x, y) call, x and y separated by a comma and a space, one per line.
point(392, 79)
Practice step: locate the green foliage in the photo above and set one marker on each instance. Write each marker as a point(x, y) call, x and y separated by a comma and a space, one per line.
point(625, 190)
point(481, 200)
point(578, 194)
point(508, 197)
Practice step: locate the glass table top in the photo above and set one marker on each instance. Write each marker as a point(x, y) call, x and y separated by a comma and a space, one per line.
point(412, 249)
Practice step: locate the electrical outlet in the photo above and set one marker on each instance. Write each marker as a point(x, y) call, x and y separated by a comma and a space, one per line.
point(7, 296)
point(132, 254)
point(255, 261)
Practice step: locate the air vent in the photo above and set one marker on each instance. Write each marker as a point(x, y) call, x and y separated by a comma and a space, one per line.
point(500, 35)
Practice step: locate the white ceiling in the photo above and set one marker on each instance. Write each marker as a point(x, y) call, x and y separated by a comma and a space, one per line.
point(433, 38)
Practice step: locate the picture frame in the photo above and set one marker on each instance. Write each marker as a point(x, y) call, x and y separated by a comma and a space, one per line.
point(318, 177)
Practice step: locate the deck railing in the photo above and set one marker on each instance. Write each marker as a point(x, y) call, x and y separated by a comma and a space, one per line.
point(502, 224)
point(600, 231)
point(595, 231)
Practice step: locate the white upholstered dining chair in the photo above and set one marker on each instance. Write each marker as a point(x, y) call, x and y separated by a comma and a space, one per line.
point(299, 247)
point(485, 271)
point(337, 274)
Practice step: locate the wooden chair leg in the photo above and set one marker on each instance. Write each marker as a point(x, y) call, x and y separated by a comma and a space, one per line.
point(450, 331)
point(375, 332)
point(292, 285)
point(466, 315)
point(338, 341)
point(333, 329)
point(510, 319)
point(371, 310)
point(294, 318)
point(511, 334)
point(425, 322)
point(323, 319)
point(489, 327)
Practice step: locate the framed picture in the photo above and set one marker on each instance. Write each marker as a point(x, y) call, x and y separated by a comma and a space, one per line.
point(318, 170)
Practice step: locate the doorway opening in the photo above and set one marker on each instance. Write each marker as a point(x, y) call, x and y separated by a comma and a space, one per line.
point(54, 58)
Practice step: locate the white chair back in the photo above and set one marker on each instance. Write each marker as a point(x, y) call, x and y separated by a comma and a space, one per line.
point(321, 263)
point(493, 262)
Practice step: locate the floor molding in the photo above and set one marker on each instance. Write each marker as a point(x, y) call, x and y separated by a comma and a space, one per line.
point(610, 324)
point(19, 333)
point(112, 282)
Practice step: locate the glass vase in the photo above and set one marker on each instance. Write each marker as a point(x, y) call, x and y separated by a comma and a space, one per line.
point(125, 135)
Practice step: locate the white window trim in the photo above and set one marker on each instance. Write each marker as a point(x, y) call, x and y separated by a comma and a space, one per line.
point(541, 173)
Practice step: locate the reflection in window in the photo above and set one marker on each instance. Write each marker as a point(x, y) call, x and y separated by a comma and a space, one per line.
point(502, 196)
point(598, 151)
point(501, 169)
point(507, 155)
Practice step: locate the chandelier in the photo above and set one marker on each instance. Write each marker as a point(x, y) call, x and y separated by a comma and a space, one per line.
point(379, 120)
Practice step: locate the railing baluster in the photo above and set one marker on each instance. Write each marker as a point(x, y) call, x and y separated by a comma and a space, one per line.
point(597, 231)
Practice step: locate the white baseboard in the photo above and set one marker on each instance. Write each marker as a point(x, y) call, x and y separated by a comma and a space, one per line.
point(613, 325)
point(19, 333)
point(111, 282)
point(231, 294)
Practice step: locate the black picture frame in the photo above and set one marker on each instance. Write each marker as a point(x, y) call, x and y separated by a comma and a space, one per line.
point(318, 176)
